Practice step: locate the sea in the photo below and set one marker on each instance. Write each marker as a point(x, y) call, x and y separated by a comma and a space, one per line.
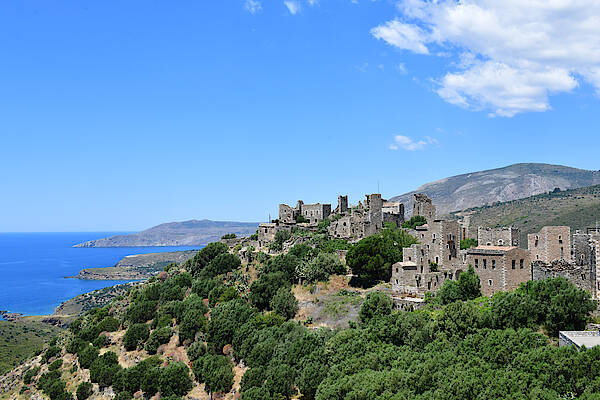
point(34, 267)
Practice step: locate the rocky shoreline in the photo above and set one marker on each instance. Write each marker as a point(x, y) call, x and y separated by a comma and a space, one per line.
point(10, 316)
point(136, 267)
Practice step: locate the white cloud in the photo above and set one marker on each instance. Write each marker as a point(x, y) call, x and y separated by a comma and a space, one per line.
point(401, 68)
point(253, 6)
point(293, 6)
point(510, 54)
point(406, 143)
point(313, 2)
point(404, 36)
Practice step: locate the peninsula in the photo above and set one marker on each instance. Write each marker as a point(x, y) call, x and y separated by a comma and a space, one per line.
point(186, 233)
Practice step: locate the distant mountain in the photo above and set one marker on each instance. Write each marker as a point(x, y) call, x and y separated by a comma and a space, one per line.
point(186, 233)
point(497, 185)
point(577, 208)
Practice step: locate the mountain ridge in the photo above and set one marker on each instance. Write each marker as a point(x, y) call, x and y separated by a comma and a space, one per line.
point(512, 182)
point(184, 233)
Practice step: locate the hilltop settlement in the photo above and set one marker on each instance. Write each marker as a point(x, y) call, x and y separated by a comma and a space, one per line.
point(496, 254)
point(321, 303)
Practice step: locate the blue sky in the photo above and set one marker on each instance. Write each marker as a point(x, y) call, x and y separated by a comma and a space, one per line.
point(122, 115)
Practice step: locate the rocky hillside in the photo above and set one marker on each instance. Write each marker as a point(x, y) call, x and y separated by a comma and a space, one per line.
point(136, 266)
point(577, 208)
point(499, 185)
point(186, 233)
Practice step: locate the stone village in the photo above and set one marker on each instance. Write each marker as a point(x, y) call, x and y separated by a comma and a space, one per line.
point(500, 260)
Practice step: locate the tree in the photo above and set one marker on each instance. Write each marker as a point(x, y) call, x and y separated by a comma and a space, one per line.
point(285, 263)
point(158, 337)
point(468, 287)
point(104, 369)
point(377, 304)
point(196, 350)
point(84, 390)
point(175, 380)
point(87, 356)
point(256, 393)
point(264, 288)
point(415, 221)
point(193, 321)
point(468, 243)
point(302, 251)
point(216, 372)
point(136, 335)
point(221, 264)
point(311, 376)
point(371, 258)
point(560, 304)
point(280, 380)
point(141, 311)
point(201, 259)
point(281, 237)
point(225, 319)
point(284, 303)
point(253, 377)
point(321, 267)
point(150, 381)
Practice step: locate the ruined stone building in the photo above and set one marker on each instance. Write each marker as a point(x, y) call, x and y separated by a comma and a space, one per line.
point(427, 264)
point(423, 206)
point(504, 236)
point(550, 243)
point(347, 222)
point(498, 260)
point(313, 213)
point(365, 219)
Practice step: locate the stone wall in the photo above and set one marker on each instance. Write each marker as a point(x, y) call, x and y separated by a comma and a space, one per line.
point(316, 212)
point(423, 206)
point(499, 268)
point(581, 276)
point(550, 243)
point(504, 236)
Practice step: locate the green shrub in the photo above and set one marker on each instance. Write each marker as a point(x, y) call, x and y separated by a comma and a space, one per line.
point(84, 390)
point(87, 356)
point(377, 304)
point(52, 351)
point(141, 311)
point(75, 345)
point(193, 322)
point(175, 380)
point(284, 303)
point(215, 371)
point(158, 337)
point(136, 335)
point(196, 350)
point(101, 341)
point(415, 221)
point(264, 288)
point(30, 374)
point(104, 369)
point(55, 365)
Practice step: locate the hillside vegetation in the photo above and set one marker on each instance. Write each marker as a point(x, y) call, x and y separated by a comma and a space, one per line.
point(21, 339)
point(513, 182)
point(213, 326)
point(577, 208)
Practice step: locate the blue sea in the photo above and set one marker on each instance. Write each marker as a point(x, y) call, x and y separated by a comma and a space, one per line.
point(33, 267)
